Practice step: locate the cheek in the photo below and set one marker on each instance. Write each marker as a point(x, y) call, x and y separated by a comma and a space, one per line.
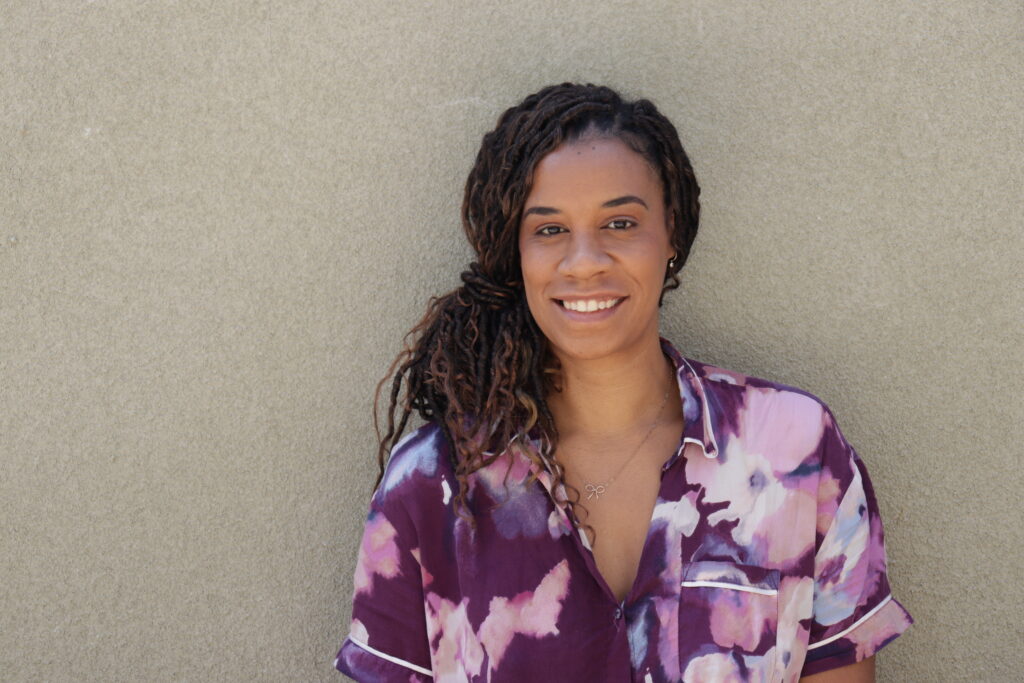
point(532, 270)
point(663, 251)
point(659, 268)
point(648, 262)
point(530, 267)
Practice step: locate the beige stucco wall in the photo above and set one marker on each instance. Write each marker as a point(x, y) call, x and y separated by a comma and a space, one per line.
point(217, 219)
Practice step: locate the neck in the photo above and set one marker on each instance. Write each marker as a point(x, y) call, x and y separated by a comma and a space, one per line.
point(610, 397)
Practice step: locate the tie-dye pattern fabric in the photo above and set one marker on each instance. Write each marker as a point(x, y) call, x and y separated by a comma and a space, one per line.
point(764, 559)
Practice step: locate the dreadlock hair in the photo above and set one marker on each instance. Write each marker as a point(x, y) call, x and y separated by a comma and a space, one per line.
point(477, 363)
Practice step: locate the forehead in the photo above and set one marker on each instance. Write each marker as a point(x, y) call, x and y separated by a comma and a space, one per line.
point(592, 166)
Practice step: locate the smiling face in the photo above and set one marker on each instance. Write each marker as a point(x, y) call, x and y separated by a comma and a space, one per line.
point(594, 246)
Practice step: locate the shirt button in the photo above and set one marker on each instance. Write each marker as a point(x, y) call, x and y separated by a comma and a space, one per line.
point(618, 613)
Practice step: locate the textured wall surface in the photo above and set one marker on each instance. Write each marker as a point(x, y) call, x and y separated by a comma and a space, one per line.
point(217, 219)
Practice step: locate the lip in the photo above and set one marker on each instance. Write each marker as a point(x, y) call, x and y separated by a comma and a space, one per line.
point(589, 295)
point(589, 316)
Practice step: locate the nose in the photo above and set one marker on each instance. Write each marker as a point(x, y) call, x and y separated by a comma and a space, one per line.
point(584, 256)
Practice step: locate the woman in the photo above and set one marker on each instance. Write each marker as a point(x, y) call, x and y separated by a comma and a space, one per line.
point(584, 503)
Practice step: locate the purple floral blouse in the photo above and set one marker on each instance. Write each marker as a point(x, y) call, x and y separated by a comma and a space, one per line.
point(764, 560)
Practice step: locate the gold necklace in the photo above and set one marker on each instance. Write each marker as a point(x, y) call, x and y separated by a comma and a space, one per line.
point(596, 490)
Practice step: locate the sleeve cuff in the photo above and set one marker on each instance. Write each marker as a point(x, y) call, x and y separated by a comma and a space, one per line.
point(866, 636)
point(360, 662)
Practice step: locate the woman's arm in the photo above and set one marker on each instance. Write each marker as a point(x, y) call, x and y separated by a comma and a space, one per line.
point(860, 672)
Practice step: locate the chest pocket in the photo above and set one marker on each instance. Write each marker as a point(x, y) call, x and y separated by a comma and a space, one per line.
point(728, 622)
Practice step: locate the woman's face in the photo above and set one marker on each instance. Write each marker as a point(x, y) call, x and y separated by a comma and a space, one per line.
point(594, 248)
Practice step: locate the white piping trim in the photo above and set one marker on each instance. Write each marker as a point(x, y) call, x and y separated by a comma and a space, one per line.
point(731, 586)
point(709, 432)
point(583, 537)
point(853, 626)
point(690, 439)
point(393, 660)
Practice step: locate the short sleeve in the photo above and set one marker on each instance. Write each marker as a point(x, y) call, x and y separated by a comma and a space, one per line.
point(387, 639)
point(854, 613)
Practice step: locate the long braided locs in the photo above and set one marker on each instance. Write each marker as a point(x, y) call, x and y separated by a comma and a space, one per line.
point(477, 363)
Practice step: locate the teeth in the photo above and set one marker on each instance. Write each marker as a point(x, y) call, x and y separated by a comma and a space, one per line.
point(590, 305)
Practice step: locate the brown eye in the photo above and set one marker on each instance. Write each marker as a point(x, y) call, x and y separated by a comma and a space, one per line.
point(621, 224)
point(550, 230)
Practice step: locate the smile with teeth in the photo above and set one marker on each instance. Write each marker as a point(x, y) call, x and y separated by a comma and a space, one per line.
point(588, 305)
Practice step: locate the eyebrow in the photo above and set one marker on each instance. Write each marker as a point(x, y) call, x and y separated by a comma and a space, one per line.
point(618, 201)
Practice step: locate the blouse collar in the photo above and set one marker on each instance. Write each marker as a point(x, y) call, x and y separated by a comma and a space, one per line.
point(697, 416)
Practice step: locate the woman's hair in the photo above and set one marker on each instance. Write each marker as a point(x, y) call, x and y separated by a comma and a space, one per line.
point(477, 363)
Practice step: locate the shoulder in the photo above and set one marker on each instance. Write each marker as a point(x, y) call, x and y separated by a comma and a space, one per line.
point(790, 426)
point(419, 459)
point(758, 393)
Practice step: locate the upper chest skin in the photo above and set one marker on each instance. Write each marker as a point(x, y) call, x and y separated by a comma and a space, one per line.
point(621, 517)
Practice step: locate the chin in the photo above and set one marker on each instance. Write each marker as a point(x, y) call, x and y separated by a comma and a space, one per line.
point(597, 348)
